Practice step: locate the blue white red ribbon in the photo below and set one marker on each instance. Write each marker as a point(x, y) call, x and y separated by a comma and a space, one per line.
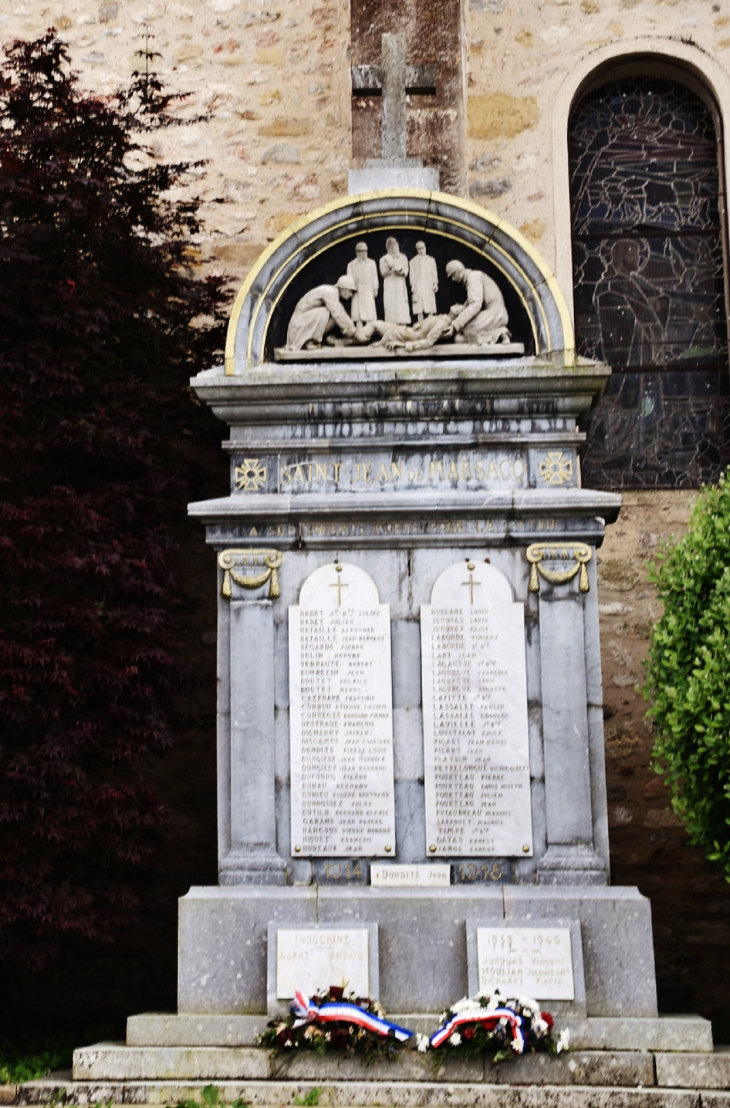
point(308, 1012)
point(490, 1018)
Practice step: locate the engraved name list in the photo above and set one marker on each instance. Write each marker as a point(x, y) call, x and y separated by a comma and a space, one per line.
point(342, 797)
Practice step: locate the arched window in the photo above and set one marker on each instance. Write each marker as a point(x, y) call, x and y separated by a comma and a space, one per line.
point(649, 275)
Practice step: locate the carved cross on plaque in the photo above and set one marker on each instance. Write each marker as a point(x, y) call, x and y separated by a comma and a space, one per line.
point(394, 80)
point(471, 584)
point(339, 585)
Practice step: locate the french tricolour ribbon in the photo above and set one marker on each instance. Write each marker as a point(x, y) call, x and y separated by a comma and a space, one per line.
point(303, 1008)
point(484, 1016)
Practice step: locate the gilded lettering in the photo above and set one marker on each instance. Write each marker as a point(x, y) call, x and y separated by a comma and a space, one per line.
point(383, 473)
point(336, 467)
point(298, 475)
point(492, 470)
point(321, 472)
point(502, 464)
point(518, 468)
point(480, 471)
point(366, 474)
point(436, 469)
point(466, 470)
point(285, 473)
point(453, 474)
point(395, 472)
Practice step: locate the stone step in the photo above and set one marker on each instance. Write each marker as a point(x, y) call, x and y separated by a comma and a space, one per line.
point(116, 1062)
point(702, 1071)
point(665, 1033)
point(364, 1094)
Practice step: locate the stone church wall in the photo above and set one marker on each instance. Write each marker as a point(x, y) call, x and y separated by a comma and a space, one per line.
point(272, 81)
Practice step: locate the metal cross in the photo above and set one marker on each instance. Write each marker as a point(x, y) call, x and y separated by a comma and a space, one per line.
point(394, 80)
point(339, 585)
point(470, 585)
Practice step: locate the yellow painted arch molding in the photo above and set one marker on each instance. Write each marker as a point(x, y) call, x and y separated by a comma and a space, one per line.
point(435, 212)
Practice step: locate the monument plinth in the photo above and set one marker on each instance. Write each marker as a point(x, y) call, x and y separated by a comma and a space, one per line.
point(409, 663)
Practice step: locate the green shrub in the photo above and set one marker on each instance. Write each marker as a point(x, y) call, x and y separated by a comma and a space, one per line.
point(18, 1064)
point(688, 674)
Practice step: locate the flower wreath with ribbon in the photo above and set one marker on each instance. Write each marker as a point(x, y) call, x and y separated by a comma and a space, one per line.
point(488, 1022)
point(332, 1021)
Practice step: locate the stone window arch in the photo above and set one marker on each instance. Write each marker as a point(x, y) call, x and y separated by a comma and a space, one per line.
point(649, 272)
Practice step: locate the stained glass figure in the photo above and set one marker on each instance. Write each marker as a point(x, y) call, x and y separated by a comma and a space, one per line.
point(648, 266)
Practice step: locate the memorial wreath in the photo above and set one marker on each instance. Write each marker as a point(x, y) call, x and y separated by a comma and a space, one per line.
point(507, 1027)
point(339, 1022)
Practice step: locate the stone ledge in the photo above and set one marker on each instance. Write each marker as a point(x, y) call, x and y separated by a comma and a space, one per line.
point(703, 1071)
point(664, 1033)
point(366, 1094)
point(116, 1062)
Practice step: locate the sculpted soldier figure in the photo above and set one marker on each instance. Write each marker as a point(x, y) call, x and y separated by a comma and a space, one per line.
point(364, 273)
point(394, 270)
point(319, 312)
point(424, 282)
point(418, 336)
point(483, 320)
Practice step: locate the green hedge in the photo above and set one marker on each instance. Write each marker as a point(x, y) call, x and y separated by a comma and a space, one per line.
point(688, 674)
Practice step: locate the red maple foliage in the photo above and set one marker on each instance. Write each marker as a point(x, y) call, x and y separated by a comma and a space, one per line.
point(102, 322)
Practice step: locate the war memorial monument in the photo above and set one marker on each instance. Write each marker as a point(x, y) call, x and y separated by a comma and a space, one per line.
point(411, 785)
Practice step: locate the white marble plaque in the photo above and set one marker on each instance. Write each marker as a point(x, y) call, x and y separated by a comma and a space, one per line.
point(526, 961)
point(383, 876)
point(312, 959)
point(477, 768)
point(341, 717)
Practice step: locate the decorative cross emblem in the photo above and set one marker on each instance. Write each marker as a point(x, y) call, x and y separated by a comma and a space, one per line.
point(471, 584)
point(339, 585)
point(394, 80)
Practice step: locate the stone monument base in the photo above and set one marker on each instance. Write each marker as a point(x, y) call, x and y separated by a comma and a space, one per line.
point(422, 941)
point(634, 1067)
point(153, 1030)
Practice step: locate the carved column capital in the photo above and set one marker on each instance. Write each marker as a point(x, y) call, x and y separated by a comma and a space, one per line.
point(540, 552)
point(234, 564)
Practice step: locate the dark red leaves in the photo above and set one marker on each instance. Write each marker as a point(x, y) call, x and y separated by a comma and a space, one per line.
point(96, 348)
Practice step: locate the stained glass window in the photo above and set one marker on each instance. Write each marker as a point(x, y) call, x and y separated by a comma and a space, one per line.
point(648, 264)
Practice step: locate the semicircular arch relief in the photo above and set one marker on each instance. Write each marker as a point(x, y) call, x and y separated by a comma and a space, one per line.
point(320, 246)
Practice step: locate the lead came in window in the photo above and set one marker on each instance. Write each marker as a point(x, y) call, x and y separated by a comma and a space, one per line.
point(648, 263)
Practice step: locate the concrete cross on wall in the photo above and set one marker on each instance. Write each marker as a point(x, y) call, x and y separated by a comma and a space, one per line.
point(394, 80)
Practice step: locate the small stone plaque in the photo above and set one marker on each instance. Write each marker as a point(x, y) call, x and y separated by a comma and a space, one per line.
point(307, 959)
point(475, 734)
point(341, 719)
point(482, 871)
point(526, 961)
point(383, 876)
point(353, 871)
point(542, 959)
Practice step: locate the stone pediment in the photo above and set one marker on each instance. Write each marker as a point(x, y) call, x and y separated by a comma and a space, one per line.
point(341, 286)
